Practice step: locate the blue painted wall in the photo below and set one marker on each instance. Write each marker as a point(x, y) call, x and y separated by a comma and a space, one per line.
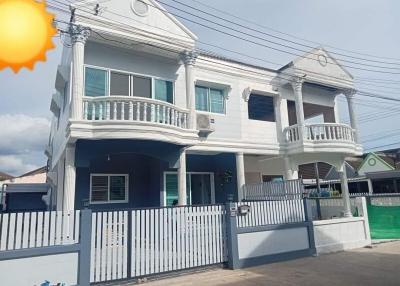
point(145, 162)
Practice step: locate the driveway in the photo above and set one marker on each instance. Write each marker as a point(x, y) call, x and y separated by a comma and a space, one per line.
point(379, 265)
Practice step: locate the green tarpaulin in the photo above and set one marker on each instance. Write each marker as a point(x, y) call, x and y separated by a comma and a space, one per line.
point(384, 221)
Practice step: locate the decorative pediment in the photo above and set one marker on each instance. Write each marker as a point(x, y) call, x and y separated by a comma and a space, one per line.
point(318, 66)
point(135, 17)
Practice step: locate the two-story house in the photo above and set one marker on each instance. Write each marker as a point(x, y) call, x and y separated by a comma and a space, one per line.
point(143, 119)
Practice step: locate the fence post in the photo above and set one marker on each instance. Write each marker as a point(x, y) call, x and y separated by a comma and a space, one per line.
point(85, 242)
point(232, 236)
point(318, 204)
point(362, 202)
point(310, 226)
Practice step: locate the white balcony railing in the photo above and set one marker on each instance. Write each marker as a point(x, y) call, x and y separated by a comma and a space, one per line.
point(134, 109)
point(324, 132)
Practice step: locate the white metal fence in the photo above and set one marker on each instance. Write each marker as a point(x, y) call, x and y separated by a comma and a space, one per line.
point(109, 253)
point(38, 229)
point(272, 212)
point(169, 239)
point(291, 189)
point(136, 243)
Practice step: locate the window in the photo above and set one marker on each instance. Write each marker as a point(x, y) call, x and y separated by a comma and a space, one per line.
point(141, 86)
point(105, 82)
point(96, 82)
point(163, 90)
point(119, 84)
point(210, 99)
point(109, 188)
point(261, 108)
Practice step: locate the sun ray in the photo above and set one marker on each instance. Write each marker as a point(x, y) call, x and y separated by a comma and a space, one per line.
point(26, 32)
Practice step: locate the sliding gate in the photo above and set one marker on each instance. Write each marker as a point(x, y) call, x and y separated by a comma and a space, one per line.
point(143, 242)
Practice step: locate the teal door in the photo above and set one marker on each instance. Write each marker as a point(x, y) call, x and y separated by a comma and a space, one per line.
point(171, 189)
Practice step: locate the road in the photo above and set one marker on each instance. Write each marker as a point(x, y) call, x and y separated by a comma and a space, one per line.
point(379, 265)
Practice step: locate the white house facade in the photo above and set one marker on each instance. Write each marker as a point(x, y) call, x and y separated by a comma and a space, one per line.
point(142, 119)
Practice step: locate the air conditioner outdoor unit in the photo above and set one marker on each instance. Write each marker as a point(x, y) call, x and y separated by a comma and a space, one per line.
point(205, 124)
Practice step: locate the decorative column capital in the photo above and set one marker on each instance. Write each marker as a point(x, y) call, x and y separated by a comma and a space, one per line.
point(246, 94)
point(189, 57)
point(297, 84)
point(79, 33)
point(350, 93)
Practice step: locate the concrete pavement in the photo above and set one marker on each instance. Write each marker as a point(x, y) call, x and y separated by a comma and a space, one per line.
point(379, 265)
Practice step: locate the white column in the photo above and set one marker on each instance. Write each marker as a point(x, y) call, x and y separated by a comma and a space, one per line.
point(290, 173)
point(281, 115)
point(69, 178)
point(189, 59)
point(345, 191)
point(240, 175)
point(79, 36)
point(297, 85)
point(182, 200)
point(352, 112)
point(370, 187)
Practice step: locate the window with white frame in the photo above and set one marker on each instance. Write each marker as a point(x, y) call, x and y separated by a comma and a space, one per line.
point(107, 188)
point(106, 82)
point(210, 99)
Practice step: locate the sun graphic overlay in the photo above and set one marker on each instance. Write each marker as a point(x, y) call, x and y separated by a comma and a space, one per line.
point(26, 31)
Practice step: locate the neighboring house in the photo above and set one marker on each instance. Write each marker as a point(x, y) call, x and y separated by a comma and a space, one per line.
point(27, 192)
point(376, 172)
point(142, 119)
point(4, 176)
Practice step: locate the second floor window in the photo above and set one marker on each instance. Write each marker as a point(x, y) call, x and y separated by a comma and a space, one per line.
point(96, 82)
point(103, 82)
point(261, 108)
point(210, 99)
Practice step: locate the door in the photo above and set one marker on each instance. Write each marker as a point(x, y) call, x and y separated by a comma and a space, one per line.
point(199, 189)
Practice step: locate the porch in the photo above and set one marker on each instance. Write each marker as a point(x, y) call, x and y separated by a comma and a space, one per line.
point(115, 174)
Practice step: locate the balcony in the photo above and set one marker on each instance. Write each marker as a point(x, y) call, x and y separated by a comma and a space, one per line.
point(130, 117)
point(325, 137)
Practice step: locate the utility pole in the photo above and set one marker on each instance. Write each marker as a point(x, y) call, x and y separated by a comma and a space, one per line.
point(317, 178)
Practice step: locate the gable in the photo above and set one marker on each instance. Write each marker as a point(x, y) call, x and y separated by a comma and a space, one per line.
point(334, 175)
point(325, 69)
point(373, 163)
point(134, 16)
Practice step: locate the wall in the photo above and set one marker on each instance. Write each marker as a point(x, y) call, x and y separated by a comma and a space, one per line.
point(145, 162)
point(54, 268)
point(263, 243)
point(341, 234)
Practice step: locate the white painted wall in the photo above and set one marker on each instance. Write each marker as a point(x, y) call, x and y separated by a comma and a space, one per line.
point(341, 234)
point(263, 243)
point(54, 268)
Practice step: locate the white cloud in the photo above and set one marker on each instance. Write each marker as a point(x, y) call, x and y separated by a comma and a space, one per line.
point(22, 134)
point(22, 142)
point(13, 164)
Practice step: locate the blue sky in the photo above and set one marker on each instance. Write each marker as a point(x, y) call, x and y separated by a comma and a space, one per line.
point(364, 26)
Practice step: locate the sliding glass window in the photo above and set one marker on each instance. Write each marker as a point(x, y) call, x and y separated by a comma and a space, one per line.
point(96, 82)
point(119, 84)
point(163, 90)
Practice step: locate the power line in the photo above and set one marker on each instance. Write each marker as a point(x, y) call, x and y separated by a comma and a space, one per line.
point(165, 12)
point(255, 42)
point(290, 35)
point(267, 34)
point(363, 93)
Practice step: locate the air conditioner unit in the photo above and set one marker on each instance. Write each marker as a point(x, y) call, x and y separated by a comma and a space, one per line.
point(205, 124)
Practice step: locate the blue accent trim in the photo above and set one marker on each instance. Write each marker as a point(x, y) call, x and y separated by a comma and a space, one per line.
point(255, 261)
point(38, 251)
point(271, 227)
point(232, 236)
